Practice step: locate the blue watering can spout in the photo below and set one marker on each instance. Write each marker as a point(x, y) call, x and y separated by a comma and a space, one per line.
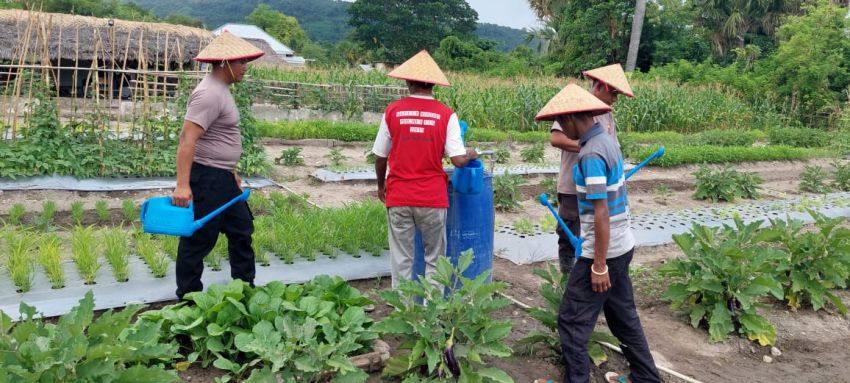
point(203, 221)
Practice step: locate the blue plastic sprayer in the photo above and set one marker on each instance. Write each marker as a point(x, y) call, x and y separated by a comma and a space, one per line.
point(577, 241)
point(159, 216)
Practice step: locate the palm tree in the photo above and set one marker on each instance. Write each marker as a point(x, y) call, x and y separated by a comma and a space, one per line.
point(732, 20)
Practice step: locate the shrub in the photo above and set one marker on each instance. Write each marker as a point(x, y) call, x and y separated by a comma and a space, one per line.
point(841, 175)
point(813, 180)
point(290, 157)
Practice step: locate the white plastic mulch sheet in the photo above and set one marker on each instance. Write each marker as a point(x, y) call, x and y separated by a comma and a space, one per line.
point(106, 184)
point(144, 288)
point(659, 228)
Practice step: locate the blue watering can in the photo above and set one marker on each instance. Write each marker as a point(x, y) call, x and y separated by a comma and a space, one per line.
point(470, 178)
point(159, 216)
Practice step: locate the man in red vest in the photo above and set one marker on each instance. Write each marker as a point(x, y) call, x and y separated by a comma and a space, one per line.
point(415, 133)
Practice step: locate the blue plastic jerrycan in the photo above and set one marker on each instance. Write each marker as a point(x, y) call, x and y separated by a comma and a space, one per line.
point(159, 216)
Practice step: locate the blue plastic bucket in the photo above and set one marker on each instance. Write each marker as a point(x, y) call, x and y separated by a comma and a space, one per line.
point(469, 225)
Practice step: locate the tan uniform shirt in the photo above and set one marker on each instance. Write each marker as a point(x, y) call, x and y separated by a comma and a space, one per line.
point(566, 185)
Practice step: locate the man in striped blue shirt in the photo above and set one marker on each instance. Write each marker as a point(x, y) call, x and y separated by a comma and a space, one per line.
point(600, 279)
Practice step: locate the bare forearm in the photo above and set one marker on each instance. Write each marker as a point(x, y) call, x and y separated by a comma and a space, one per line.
point(185, 157)
point(381, 170)
point(561, 141)
point(602, 234)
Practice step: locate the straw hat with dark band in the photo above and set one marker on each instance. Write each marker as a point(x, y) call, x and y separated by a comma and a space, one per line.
point(570, 100)
point(420, 68)
point(228, 47)
point(613, 76)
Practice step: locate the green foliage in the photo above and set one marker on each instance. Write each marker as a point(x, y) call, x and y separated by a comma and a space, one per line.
point(524, 226)
point(293, 332)
point(502, 155)
point(336, 157)
point(721, 278)
point(395, 31)
point(77, 212)
point(50, 259)
point(725, 137)
point(16, 213)
point(533, 153)
point(552, 291)
point(285, 29)
point(505, 192)
point(129, 210)
point(798, 137)
point(550, 187)
point(813, 180)
point(84, 253)
point(77, 348)
point(725, 184)
point(452, 331)
point(662, 194)
point(101, 208)
point(841, 175)
point(19, 258)
point(290, 157)
point(480, 57)
point(299, 130)
point(685, 155)
point(816, 261)
point(48, 211)
point(116, 252)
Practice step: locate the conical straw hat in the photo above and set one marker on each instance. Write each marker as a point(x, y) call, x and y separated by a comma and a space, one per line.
point(571, 99)
point(420, 68)
point(612, 75)
point(229, 47)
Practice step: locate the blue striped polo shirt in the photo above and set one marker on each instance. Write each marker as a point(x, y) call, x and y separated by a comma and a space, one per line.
point(599, 175)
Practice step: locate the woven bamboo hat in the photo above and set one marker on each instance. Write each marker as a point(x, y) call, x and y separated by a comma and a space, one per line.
point(422, 68)
point(228, 47)
point(613, 76)
point(571, 99)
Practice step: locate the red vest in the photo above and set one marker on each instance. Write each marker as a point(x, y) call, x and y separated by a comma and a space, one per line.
point(418, 132)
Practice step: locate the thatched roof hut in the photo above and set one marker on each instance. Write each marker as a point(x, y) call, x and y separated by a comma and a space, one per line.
point(270, 59)
point(50, 37)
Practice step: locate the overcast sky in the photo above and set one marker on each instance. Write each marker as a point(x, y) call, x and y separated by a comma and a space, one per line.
point(510, 13)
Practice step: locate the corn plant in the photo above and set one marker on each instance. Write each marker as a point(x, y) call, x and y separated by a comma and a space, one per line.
point(50, 258)
point(19, 261)
point(48, 211)
point(16, 214)
point(117, 252)
point(77, 212)
point(290, 157)
point(813, 180)
point(84, 253)
point(102, 210)
point(533, 153)
point(129, 210)
point(218, 253)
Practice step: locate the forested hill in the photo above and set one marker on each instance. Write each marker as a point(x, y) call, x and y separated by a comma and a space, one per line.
point(323, 20)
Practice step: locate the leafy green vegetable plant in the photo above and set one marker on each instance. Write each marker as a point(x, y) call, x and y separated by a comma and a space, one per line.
point(533, 153)
point(719, 281)
point(524, 226)
point(502, 155)
point(813, 180)
point(505, 192)
point(336, 157)
point(552, 292)
point(449, 335)
point(290, 157)
point(725, 184)
point(77, 348)
point(841, 175)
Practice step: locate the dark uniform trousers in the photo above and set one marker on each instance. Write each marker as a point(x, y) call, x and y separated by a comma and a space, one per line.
point(579, 310)
point(568, 210)
point(212, 188)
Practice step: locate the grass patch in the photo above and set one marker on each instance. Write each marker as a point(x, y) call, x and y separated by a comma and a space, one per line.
point(685, 155)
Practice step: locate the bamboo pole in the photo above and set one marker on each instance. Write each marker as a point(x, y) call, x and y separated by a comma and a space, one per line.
point(76, 74)
point(112, 74)
point(59, 64)
point(19, 79)
point(123, 76)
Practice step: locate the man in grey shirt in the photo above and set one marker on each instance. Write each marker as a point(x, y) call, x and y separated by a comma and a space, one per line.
point(607, 83)
point(209, 150)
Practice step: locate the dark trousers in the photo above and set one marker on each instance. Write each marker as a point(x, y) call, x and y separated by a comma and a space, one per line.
point(579, 310)
point(212, 188)
point(568, 210)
